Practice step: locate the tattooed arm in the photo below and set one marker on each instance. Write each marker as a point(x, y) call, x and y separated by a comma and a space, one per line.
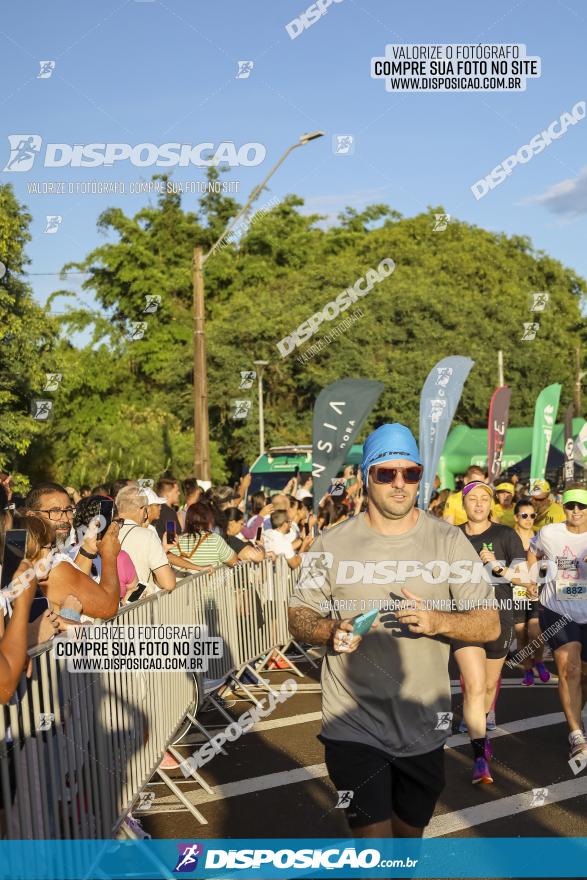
point(308, 626)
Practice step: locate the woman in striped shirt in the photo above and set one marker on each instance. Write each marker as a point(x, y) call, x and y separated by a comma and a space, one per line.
point(198, 543)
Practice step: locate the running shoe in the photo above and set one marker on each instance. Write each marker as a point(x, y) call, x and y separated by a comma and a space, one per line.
point(488, 750)
point(578, 743)
point(481, 772)
point(491, 722)
point(529, 677)
point(463, 727)
point(542, 672)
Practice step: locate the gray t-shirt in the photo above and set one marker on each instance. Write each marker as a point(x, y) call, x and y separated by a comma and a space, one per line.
point(392, 692)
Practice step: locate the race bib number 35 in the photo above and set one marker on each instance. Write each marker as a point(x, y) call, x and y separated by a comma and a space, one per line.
point(568, 589)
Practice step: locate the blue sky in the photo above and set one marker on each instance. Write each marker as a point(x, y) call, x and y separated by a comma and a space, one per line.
point(165, 71)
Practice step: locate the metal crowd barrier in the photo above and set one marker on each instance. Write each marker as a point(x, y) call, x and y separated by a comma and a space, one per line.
point(77, 749)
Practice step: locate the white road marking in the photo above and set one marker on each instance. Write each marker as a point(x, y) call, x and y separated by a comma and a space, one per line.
point(315, 771)
point(460, 739)
point(249, 786)
point(263, 725)
point(470, 817)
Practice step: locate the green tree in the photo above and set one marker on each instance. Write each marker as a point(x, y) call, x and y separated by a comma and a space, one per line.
point(461, 291)
point(27, 336)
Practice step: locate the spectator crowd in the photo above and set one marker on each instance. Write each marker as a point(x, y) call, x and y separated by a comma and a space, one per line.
point(158, 533)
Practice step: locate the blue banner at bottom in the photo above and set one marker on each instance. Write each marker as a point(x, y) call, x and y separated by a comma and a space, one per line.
point(498, 857)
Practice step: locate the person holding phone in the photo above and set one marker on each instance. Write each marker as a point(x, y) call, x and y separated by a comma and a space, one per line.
point(29, 542)
point(304, 489)
point(167, 488)
point(245, 551)
point(260, 508)
point(277, 539)
point(94, 515)
point(385, 692)
point(51, 502)
point(14, 636)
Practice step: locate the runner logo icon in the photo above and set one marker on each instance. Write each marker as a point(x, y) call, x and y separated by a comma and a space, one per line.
point(187, 860)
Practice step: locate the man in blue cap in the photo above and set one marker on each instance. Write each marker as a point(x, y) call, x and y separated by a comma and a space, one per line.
point(386, 694)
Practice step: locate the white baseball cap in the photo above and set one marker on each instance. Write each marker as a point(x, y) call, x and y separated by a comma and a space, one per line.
point(152, 497)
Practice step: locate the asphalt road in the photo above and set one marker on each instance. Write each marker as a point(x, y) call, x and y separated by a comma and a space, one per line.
point(273, 782)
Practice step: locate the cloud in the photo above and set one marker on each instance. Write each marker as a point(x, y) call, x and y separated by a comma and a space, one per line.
point(567, 198)
point(333, 205)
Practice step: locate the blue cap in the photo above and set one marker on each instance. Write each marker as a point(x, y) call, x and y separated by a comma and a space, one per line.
point(387, 443)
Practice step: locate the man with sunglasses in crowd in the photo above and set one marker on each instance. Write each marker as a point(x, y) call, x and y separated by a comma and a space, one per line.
point(563, 611)
point(386, 695)
point(51, 502)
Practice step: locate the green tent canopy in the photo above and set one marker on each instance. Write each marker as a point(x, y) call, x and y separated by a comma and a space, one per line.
point(466, 446)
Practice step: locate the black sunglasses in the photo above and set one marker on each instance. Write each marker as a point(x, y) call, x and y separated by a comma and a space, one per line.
point(527, 515)
point(382, 474)
point(571, 505)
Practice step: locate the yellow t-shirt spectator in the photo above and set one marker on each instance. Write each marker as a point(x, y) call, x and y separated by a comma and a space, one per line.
point(554, 513)
point(504, 515)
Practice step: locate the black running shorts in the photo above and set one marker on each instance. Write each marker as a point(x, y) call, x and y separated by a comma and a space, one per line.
point(525, 611)
point(407, 786)
point(562, 635)
point(500, 646)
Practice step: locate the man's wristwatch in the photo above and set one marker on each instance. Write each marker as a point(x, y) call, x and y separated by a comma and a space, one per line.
point(86, 554)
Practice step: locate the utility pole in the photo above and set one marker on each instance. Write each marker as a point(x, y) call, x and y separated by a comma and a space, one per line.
point(201, 427)
point(260, 367)
point(500, 368)
point(202, 443)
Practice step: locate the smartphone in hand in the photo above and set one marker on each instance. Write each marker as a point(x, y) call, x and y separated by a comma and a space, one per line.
point(259, 534)
point(15, 545)
point(38, 606)
point(170, 531)
point(106, 510)
point(362, 623)
point(136, 594)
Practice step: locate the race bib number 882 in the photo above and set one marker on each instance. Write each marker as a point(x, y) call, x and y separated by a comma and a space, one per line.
point(570, 589)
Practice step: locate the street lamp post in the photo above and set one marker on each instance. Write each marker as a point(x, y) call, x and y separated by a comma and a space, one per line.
point(201, 433)
point(304, 139)
point(260, 367)
point(579, 376)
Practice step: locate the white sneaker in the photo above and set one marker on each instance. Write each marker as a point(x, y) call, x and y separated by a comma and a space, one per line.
point(578, 743)
point(491, 722)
